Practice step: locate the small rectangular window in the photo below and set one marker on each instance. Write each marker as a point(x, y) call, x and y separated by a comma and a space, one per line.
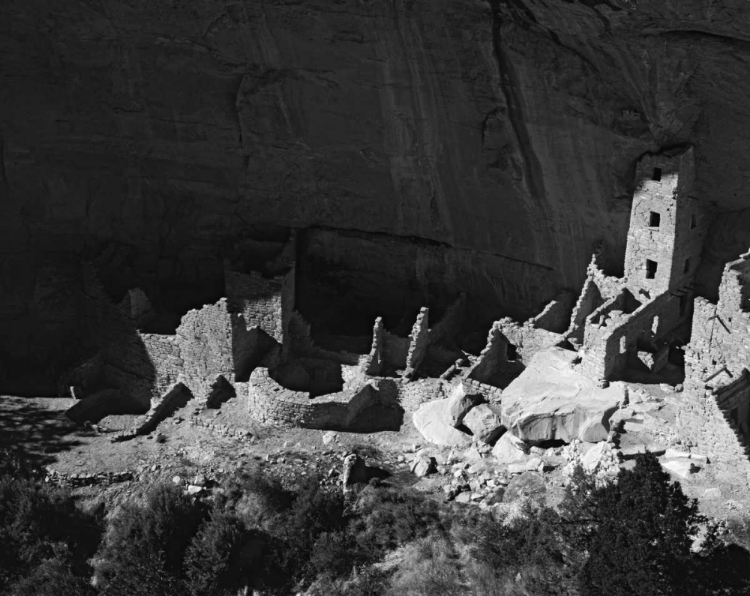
point(623, 344)
point(650, 269)
point(655, 325)
point(656, 175)
point(687, 266)
point(511, 353)
point(654, 220)
point(693, 222)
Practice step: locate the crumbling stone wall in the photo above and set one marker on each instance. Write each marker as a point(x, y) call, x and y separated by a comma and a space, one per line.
point(528, 339)
point(372, 363)
point(364, 409)
point(165, 354)
point(493, 359)
point(205, 339)
point(720, 340)
point(265, 302)
point(474, 387)
point(613, 335)
point(418, 342)
point(701, 421)
point(589, 300)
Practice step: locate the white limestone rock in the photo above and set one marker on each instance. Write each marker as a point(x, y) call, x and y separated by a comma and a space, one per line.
point(460, 403)
point(431, 420)
point(484, 422)
point(509, 449)
point(551, 401)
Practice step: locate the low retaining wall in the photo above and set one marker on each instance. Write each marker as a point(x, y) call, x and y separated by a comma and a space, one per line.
point(366, 409)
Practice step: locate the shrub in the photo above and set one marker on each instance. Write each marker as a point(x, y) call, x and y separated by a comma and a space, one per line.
point(40, 523)
point(53, 577)
point(644, 528)
point(389, 518)
point(429, 568)
point(211, 565)
point(145, 545)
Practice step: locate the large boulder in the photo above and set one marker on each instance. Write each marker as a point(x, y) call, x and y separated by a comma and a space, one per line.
point(509, 449)
point(484, 422)
point(431, 420)
point(460, 403)
point(551, 401)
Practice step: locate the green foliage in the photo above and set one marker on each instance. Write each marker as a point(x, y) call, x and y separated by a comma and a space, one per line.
point(212, 566)
point(53, 577)
point(40, 529)
point(430, 568)
point(389, 518)
point(639, 534)
point(145, 545)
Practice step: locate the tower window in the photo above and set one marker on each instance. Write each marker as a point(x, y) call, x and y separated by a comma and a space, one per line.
point(656, 175)
point(654, 220)
point(650, 269)
point(655, 325)
point(623, 344)
point(693, 221)
point(511, 353)
point(687, 266)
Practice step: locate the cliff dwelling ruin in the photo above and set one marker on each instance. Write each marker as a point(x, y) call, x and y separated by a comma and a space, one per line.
point(295, 333)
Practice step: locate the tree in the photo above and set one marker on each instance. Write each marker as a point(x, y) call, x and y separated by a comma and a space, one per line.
point(643, 529)
point(145, 545)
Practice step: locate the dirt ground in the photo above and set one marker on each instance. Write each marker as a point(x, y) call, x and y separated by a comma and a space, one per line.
point(185, 446)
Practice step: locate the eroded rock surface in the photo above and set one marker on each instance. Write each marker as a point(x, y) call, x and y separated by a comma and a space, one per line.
point(154, 136)
point(431, 420)
point(551, 401)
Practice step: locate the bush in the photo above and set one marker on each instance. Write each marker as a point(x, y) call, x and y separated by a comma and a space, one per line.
point(40, 523)
point(145, 545)
point(389, 518)
point(211, 565)
point(644, 528)
point(430, 568)
point(53, 577)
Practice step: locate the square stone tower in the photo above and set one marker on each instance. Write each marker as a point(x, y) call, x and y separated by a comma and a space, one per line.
point(667, 225)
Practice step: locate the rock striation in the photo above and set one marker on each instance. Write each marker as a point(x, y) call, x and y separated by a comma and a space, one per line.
point(551, 401)
point(492, 135)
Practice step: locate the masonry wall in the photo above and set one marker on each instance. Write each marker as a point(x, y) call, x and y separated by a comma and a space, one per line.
point(493, 359)
point(589, 300)
point(527, 338)
point(701, 420)
point(165, 354)
point(720, 340)
point(205, 338)
point(265, 302)
point(418, 342)
point(613, 336)
point(664, 190)
point(362, 410)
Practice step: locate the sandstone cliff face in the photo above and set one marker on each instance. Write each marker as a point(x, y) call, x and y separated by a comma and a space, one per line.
point(155, 136)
